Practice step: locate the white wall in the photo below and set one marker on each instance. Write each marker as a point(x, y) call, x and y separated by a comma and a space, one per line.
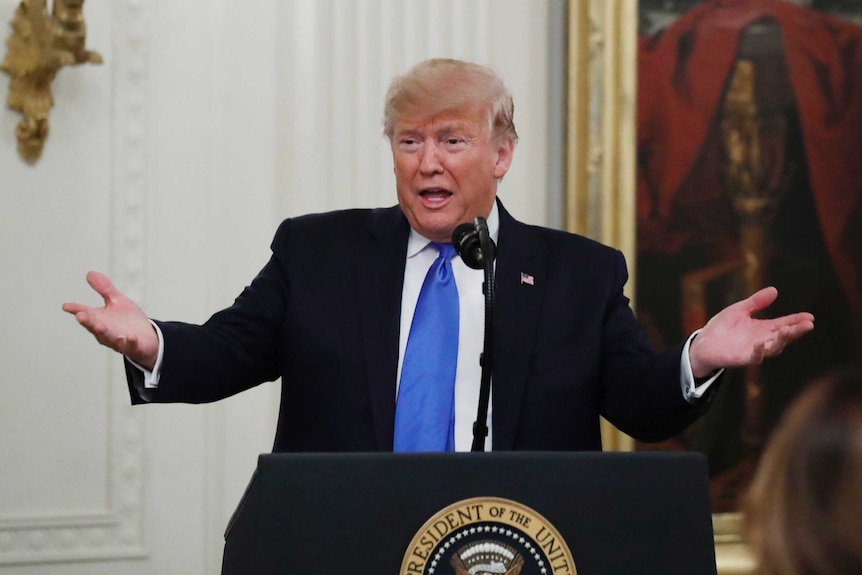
point(169, 168)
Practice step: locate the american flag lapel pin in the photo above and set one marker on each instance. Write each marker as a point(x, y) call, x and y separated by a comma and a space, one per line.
point(527, 279)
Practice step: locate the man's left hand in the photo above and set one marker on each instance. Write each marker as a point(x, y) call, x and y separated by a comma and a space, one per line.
point(732, 338)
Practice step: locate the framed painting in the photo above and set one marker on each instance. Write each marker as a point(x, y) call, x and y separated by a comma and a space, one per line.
point(717, 143)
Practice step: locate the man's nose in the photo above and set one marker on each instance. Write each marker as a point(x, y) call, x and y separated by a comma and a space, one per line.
point(429, 162)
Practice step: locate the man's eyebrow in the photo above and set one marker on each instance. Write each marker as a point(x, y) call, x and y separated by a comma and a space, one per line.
point(454, 127)
point(401, 132)
point(442, 129)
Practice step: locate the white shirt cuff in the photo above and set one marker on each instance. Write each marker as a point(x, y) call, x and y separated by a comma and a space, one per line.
point(151, 378)
point(692, 391)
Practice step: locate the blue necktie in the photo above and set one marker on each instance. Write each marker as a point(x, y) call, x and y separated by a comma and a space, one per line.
point(425, 409)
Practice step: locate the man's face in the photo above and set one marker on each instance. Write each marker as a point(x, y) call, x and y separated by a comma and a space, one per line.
point(446, 170)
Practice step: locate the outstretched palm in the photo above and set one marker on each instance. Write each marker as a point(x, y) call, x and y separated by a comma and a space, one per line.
point(120, 325)
point(733, 338)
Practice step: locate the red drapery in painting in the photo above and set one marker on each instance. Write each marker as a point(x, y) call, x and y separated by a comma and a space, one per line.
point(682, 76)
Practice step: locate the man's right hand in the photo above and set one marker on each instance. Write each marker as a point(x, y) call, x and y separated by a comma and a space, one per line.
point(120, 325)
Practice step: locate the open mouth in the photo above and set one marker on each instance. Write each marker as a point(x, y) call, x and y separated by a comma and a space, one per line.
point(435, 195)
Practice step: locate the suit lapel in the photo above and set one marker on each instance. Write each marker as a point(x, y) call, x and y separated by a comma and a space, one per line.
point(519, 301)
point(380, 260)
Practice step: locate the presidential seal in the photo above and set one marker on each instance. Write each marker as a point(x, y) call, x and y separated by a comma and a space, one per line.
point(487, 536)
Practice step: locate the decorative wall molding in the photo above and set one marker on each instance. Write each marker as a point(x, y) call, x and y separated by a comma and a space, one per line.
point(602, 99)
point(116, 532)
point(600, 157)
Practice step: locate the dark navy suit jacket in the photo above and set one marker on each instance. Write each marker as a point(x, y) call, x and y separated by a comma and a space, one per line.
point(324, 315)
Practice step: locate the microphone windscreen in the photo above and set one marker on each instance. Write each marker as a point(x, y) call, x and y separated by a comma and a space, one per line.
point(467, 244)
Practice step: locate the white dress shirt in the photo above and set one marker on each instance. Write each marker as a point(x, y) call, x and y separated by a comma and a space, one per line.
point(471, 326)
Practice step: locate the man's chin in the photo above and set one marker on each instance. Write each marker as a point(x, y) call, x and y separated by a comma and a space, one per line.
point(436, 225)
point(438, 231)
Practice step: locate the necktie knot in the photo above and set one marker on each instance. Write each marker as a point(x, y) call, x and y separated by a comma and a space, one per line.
point(445, 251)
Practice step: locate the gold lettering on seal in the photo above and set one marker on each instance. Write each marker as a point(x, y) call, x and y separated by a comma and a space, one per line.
point(451, 520)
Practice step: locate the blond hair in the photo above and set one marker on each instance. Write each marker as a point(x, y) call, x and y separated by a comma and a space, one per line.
point(443, 84)
point(804, 507)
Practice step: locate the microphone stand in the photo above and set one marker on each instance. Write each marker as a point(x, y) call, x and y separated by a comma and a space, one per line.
point(486, 359)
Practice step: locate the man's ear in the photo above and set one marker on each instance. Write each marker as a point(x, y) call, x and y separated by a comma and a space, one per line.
point(505, 151)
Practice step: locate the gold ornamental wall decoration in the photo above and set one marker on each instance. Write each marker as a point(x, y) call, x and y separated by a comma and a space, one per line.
point(38, 46)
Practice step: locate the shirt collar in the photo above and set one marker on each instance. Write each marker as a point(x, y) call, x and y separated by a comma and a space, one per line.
point(417, 242)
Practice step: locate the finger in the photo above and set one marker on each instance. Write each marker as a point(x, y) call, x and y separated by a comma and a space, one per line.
point(784, 336)
point(758, 353)
point(759, 300)
point(74, 308)
point(122, 345)
point(103, 286)
point(790, 320)
point(86, 320)
point(97, 328)
point(803, 320)
point(790, 333)
point(105, 334)
point(772, 349)
point(775, 346)
point(129, 346)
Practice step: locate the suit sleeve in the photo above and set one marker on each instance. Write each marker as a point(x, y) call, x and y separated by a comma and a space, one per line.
point(641, 392)
point(237, 348)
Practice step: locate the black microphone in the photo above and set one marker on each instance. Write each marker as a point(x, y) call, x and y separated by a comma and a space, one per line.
point(466, 240)
point(474, 244)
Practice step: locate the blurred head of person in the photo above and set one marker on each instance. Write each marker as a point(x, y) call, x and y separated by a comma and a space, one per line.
point(803, 512)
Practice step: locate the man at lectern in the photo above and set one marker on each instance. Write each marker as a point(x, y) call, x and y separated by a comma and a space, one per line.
point(378, 349)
